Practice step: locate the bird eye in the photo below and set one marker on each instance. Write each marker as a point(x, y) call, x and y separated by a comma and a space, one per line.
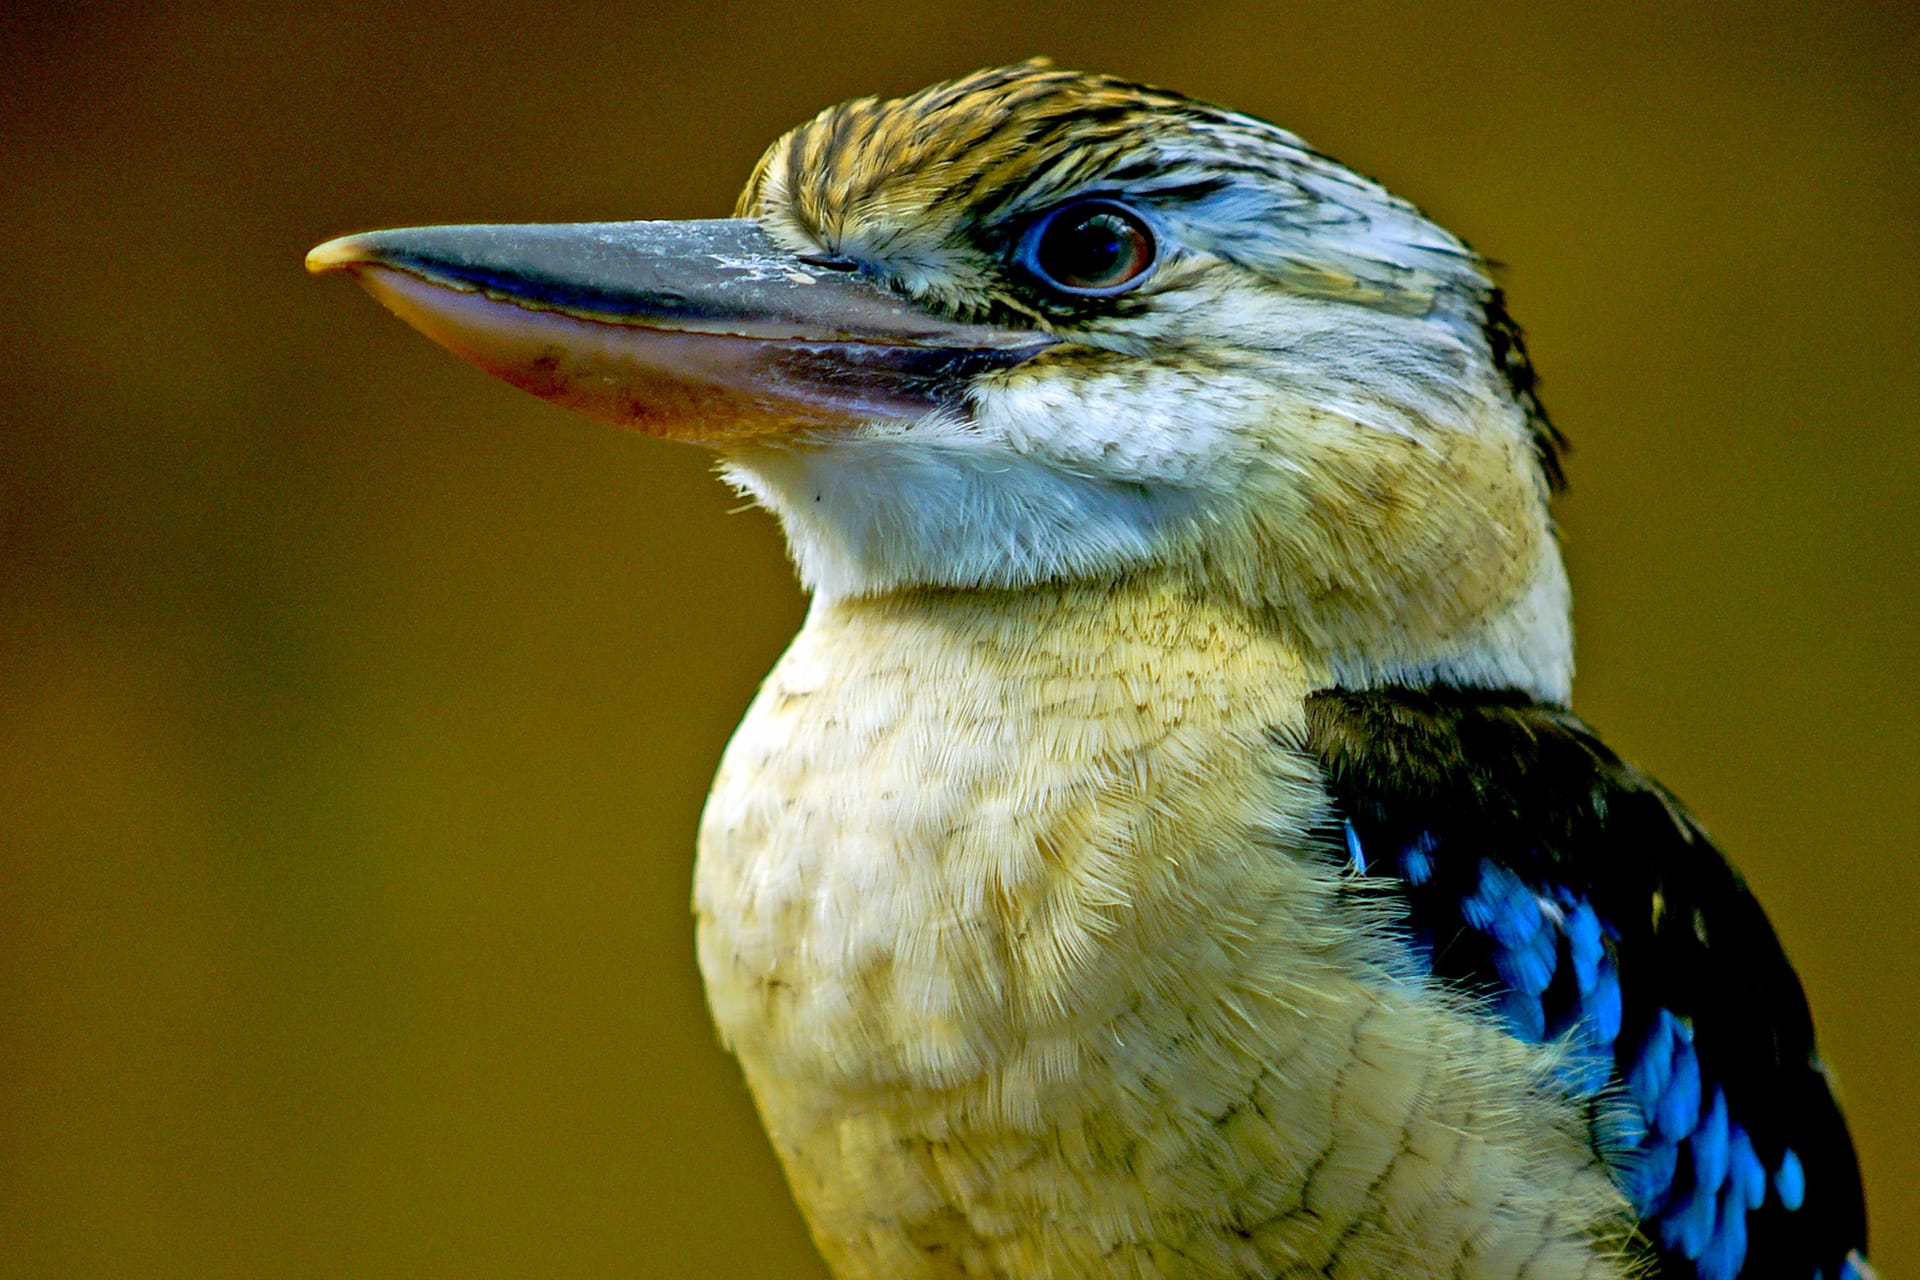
point(1093, 248)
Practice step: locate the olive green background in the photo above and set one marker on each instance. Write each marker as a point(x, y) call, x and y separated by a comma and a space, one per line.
point(356, 711)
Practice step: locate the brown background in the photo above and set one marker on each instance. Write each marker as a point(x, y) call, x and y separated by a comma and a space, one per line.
point(355, 711)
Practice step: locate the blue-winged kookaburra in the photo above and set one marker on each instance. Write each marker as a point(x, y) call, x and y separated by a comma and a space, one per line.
point(1166, 851)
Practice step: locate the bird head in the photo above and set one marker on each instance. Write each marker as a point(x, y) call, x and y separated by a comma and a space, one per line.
point(1035, 327)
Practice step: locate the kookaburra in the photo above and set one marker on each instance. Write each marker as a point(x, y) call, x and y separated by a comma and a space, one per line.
point(1166, 849)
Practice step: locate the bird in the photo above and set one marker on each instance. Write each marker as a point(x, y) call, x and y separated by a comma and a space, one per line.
point(1167, 848)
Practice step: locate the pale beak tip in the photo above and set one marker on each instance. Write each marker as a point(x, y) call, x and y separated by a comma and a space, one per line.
point(340, 254)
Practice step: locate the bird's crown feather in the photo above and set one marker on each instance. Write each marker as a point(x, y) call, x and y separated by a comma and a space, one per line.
point(962, 160)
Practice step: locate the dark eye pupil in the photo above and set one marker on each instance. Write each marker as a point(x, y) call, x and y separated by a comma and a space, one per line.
point(1096, 249)
point(1089, 249)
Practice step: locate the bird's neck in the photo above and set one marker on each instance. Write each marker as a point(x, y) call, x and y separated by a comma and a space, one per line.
point(1428, 587)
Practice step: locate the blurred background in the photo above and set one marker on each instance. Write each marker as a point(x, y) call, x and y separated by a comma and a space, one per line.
point(356, 710)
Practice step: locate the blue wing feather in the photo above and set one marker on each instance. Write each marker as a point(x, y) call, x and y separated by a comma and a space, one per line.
point(1536, 868)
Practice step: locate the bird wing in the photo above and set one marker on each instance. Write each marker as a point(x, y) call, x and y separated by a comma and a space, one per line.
point(1589, 909)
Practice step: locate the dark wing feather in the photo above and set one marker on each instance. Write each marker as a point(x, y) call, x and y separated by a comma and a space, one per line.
point(1579, 896)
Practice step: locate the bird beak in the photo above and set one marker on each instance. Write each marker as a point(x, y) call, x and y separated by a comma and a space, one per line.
point(703, 331)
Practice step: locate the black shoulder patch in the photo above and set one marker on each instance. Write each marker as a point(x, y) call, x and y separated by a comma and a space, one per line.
point(1576, 894)
point(1509, 352)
